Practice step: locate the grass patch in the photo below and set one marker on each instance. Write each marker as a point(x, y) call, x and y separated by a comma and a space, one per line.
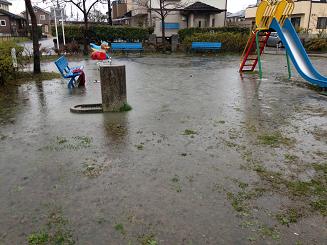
point(189, 132)
point(74, 143)
point(312, 193)
point(23, 77)
point(289, 216)
point(139, 147)
point(240, 200)
point(55, 232)
point(274, 139)
point(125, 107)
point(147, 239)
point(94, 169)
point(38, 238)
point(320, 205)
point(120, 228)
point(291, 158)
point(176, 183)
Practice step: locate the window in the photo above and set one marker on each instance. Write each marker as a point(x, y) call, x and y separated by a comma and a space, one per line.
point(200, 23)
point(46, 28)
point(42, 17)
point(296, 21)
point(322, 23)
point(213, 22)
point(2, 23)
point(172, 26)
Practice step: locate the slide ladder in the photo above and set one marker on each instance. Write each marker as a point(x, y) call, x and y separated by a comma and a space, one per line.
point(250, 54)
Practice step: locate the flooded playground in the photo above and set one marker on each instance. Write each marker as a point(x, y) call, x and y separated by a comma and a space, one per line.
point(205, 157)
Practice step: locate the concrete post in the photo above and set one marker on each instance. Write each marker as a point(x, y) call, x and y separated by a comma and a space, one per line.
point(174, 42)
point(113, 87)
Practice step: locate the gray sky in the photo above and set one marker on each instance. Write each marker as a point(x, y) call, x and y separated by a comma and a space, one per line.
point(232, 5)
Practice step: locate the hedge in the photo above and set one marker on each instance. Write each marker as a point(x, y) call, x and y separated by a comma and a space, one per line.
point(6, 67)
point(231, 42)
point(317, 44)
point(104, 32)
point(183, 33)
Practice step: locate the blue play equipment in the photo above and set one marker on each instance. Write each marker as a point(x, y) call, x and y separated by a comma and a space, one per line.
point(67, 72)
point(126, 47)
point(206, 46)
point(297, 53)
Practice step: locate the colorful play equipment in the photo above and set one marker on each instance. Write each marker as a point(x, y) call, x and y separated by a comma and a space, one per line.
point(100, 52)
point(272, 15)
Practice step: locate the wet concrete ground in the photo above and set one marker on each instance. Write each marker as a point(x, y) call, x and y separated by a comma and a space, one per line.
point(204, 157)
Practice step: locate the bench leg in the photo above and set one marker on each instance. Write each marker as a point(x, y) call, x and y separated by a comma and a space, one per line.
point(71, 83)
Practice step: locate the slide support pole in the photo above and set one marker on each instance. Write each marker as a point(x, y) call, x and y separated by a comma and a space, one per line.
point(258, 53)
point(288, 66)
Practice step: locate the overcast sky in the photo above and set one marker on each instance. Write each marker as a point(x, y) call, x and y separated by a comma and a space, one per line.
point(232, 5)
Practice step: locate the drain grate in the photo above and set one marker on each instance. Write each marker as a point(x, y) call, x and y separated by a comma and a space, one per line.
point(87, 108)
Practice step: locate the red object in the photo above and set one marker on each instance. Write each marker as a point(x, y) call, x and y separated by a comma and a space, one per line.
point(77, 70)
point(250, 53)
point(98, 55)
point(81, 79)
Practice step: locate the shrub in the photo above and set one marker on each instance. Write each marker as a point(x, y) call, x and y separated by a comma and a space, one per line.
point(6, 66)
point(183, 33)
point(232, 42)
point(104, 32)
point(317, 44)
point(72, 48)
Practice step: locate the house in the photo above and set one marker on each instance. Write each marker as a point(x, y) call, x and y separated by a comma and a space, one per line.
point(11, 24)
point(4, 5)
point(180, 15)
point(42, 18)
point(238, 19)
point(308, 15)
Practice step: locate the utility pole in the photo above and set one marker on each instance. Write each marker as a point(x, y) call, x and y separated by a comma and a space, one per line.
point(109, 13)
point(310, 15)
point(225, 13)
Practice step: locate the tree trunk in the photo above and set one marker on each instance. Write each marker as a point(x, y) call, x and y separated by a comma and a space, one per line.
point(86, 39)
point(35, 38)
point(109, 13)
point(113, 87)
point(163, 33)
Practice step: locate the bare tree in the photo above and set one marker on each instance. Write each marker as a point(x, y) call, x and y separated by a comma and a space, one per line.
point(35, 38)
point(85, 6)
point(165, 8)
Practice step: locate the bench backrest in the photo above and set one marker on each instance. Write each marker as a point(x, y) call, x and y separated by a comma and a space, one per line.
point(62, 65)
point(126, 46)
point(206, 45)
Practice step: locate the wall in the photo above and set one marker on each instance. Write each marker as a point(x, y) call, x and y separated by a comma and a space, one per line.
point(5, 29)
point(118, 10)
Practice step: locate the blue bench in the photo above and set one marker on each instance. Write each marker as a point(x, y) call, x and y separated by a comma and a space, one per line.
point(206, 46)
point(126, 47)
point(67, 72)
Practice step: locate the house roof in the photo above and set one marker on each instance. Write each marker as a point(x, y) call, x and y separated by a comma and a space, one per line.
point(202, 7)
point(240, 14)
point(4, 12)
point(5, 2)
point(37, 8)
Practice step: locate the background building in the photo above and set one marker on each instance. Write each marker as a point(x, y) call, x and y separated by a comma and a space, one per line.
point(11, 24)
point(308, 15)
point(42, 18)
point(207, 13)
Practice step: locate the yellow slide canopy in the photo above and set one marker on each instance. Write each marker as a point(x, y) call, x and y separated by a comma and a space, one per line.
point(270, 9)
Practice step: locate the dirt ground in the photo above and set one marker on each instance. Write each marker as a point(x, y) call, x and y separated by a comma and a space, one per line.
point(206, 156)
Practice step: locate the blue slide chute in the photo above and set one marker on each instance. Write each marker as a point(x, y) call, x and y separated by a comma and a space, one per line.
point(298, 54)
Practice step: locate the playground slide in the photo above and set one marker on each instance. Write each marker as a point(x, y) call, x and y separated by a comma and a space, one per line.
point(298, 54)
